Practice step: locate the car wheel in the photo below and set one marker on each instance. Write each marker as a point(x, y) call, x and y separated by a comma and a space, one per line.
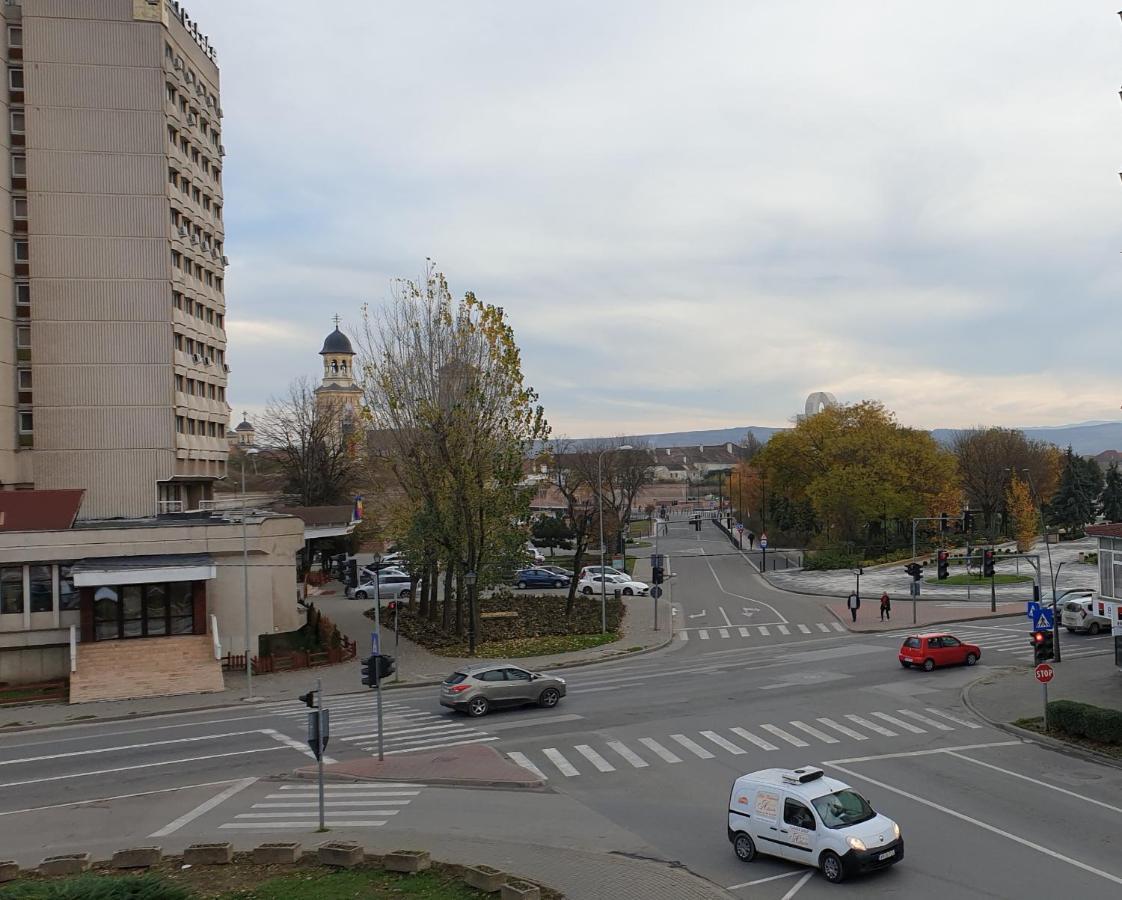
point(971, 659)
point(743, 847)
point(478, 706)
point(549, 698)
point(1094, 629)
point(928, 665)
point(558, 584)
point(522, 585)
point(360, 595)
point(1070, 629)
point(905, 664)
point(627, 592)
point(832, 869)
point(404, 595)
point(587, 591)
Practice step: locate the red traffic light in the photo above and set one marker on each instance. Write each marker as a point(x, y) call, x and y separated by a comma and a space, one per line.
point(1038, 637)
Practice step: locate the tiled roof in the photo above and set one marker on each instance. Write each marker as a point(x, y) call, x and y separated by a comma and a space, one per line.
point(39, 510)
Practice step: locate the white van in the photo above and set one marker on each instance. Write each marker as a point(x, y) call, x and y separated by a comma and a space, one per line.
point(802, 816)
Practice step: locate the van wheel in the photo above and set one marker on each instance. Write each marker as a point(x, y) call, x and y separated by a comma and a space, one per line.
point(832, 869)
point(928, 665)
point(1094, 628)
point(971, 659)
point(744, 848)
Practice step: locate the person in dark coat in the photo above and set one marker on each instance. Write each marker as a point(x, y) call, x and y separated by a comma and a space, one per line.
point(854, 604)
point(885, 607)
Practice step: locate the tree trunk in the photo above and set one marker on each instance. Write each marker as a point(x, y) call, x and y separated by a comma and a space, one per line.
point(434, 592)
point(460, 614)
point(446, 622)
point(449, 578)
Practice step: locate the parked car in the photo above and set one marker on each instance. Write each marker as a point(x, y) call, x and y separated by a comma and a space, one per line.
point(926, 651)
point(588, 571)
point(1064, 596)
point(366, 573)
point(527, 578)
point(1078, 614)
point(559, 572)
point(475, 689)
point(534, 553)
point(388, 588)
point(621, 583)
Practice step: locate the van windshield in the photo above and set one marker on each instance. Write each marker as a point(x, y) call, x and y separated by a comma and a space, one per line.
point(844, 808)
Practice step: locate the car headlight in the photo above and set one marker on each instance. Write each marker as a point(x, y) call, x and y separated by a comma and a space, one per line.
point(560, 680)
point(856, 843)
point(896, 830)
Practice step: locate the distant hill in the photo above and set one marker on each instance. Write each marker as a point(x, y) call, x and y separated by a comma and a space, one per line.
point(1087, 439)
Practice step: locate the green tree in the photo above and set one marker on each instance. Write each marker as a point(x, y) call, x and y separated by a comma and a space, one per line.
point(1112, 494)
point(1022, 510)
point(551, 532)
point(1073, 505)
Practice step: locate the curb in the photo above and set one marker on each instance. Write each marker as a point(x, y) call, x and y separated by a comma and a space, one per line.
point(1033, 737)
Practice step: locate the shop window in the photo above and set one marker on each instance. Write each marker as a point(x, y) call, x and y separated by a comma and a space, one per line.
point(68, 596)
point(106, 613)
point(41, 588)
point(182, 607)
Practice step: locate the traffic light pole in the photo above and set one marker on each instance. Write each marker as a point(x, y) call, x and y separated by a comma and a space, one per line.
point(319, 756)
point(378, 631)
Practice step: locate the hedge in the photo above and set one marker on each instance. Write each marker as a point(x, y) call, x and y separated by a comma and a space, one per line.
point(1086, 721)
point(831, 559)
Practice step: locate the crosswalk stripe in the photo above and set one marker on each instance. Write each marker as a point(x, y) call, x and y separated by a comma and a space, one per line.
point(373, 735)
point(763, 630)
point(683, 635)
point(481, 740)
point(837, 626)
point(703, 634)
point(900, 723)
point(563, 765)
point(785, 736)
point(660, 751)
point(822, 627)
point(424, 740)
point(926, 721)
point(331, 823)
point(291, 814)
point(637, 761)
point(872, 726)
point(695, 749)
point(804, 629)
point(347, 786)
point(949, 717)
point(523, 760)
point(783, 629)
point(723, 744)
point(752, 739)
point(329, 804)
point(848, 732)
point(595, 758)
point(743, 631)
point(723, 632)
point(814, 732)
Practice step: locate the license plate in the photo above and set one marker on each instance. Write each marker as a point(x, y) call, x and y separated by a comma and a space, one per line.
point(888, 855)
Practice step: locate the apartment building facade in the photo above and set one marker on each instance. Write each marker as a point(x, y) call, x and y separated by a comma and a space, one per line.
point(113, 367)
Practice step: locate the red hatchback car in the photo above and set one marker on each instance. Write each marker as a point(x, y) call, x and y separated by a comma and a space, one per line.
point(937, 649)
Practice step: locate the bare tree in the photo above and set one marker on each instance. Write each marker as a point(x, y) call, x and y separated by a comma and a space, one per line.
point(615, 477)
point(315, 446)
point(568, 470)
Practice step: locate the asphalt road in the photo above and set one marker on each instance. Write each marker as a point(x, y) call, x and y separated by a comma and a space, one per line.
point(638, 758)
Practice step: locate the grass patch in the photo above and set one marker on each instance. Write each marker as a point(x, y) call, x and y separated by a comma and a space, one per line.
point(91, 886)
point(346, 884)
point(963, 578)
point(33, 693)
point(537, 646)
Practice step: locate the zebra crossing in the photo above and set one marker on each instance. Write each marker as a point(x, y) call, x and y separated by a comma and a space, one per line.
point(405, 728)
point(613, 755)
point(1016, 641)
point(296, 806)
point(710, 632)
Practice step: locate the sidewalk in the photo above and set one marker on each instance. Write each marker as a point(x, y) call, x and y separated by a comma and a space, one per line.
point(1004, 695)
point(415, 666)
point(927, 612)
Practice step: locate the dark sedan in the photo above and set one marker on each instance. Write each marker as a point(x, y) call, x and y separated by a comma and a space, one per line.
point(540, 578)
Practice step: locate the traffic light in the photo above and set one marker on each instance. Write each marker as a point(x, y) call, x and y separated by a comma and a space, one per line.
point(1042, 647)
point(370, 671)
point(987, 563)
point(944, 564)
point(967, 521)
point(915, 570)
point(657, 574)
point(308, 699)
point(385, 667)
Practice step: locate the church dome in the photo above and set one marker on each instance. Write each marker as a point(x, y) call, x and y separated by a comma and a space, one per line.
point(244, 426)
point(336, 342)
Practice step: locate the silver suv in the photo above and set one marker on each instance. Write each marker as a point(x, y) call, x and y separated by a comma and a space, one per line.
point(475, 689)
point(1079, 615)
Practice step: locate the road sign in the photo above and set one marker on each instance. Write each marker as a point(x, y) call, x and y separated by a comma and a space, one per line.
point(656, 591)
point(1043, 620)
point(317, 741)
point(763, 542)
point(739, 526)
point(1031, 609)
point(1044, 673)
point(373, 643)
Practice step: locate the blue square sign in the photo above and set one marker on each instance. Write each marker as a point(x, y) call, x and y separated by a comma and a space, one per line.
point(1042, 621)
point(1032, 608)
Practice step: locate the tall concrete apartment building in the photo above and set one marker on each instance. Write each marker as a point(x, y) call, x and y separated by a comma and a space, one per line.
point(112, 313)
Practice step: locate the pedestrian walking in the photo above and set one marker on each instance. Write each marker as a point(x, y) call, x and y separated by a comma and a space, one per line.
point(885, 607)
point(854, 604)
point(751, 540)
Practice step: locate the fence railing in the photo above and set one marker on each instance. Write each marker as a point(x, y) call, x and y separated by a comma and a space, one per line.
point(286, 660)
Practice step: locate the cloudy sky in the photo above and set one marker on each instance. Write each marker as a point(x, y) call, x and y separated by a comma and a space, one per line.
point(695, 213)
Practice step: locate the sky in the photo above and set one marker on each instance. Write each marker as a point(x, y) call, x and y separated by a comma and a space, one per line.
point(694, 214)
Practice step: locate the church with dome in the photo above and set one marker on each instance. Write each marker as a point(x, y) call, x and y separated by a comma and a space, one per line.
point(338, 388)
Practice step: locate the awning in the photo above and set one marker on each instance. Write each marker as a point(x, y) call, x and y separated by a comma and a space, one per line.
point(322, 531)
point(143, 569)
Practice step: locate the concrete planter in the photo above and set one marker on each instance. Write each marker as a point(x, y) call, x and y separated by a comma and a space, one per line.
point(407, 861)
point(344, 854)
point(216, 854)
point(9, 870)
point(66, 864)
point(484, 878)
point(520, 890)
point(137, 858)
point(281, 853)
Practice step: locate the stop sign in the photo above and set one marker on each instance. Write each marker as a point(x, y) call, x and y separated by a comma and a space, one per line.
point(1044, 673)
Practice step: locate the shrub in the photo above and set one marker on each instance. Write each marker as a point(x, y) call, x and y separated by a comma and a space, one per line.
point(1086, 721)
point(831, 559)
point(97, 887)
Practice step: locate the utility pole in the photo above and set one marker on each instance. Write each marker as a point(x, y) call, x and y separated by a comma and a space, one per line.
point(378, 639)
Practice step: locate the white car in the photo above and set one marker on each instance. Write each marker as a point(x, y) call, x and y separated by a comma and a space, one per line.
point(1079, 615)
point(396, 588)
point(590, 571)
point(534, 553)
point(802, 816)
point(613, 583)
point(366, 573)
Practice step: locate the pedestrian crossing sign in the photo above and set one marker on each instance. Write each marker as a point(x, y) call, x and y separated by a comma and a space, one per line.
point(1043, 620)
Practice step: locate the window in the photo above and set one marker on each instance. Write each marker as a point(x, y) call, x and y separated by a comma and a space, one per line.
point(106, 613)
point(170, 93)
point(219, 320)
point(23, 251)
point(175, 255)
point(179, 382)
point(191, 386)
point(179, 342)
point(23, 293)
point(23, 337)
point(168, 52)
point(212, 429)
point(182, 607)
point(15, 36)
point(846, 807)
point(951, 642)
point(190, 345)
point(493, 675)
point(794, 813)
point(19, 166)
point(19, 207)
point(17, 121)
point(68, 596)
point(26, 423)
point(15, 78)
point(11, 590)
point(517, 675)
point(209, 312)
point(180, 424)
point(41, 588)
point(1106, 580)
point(190, 426)
point(25, 379)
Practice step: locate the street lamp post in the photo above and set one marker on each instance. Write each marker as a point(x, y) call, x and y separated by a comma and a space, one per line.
point(469, 580)
point(600, 498)
point(251, 451)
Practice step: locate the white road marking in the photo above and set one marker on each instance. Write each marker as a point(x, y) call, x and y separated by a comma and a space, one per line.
point(703, 634)
point(939, 726)
point(328, 823)
point(313, 800)
point(743, 631)
point(1039, 848)
point(695, 749)
point(563, 765)
point(528, 722)
point(186, 787)
point(298, 746)
point(783, 629)
point(524, 761)
point(724, 615)
point(595, 758)
point(204, 807)
point(660, 751)
point(837, 626)
point(1035, 781)
point(426, 729)
point(723, 744)
point(798, 886)
point(683, 635)
point(821, 627)
point(636, 761)
point(949, 717)
point(899, 723)
point(751, 738)
point(354, 786)
point(723, 632)
point(848, 732)
point(721, 588)
point(785, 736)
point(186, 740)
point(292, 813)
point(804, 629)
point(906, 753)
point(733, 887)
point(865, 723)
point(814, 732)
point(763, 630)
point(482, 740)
